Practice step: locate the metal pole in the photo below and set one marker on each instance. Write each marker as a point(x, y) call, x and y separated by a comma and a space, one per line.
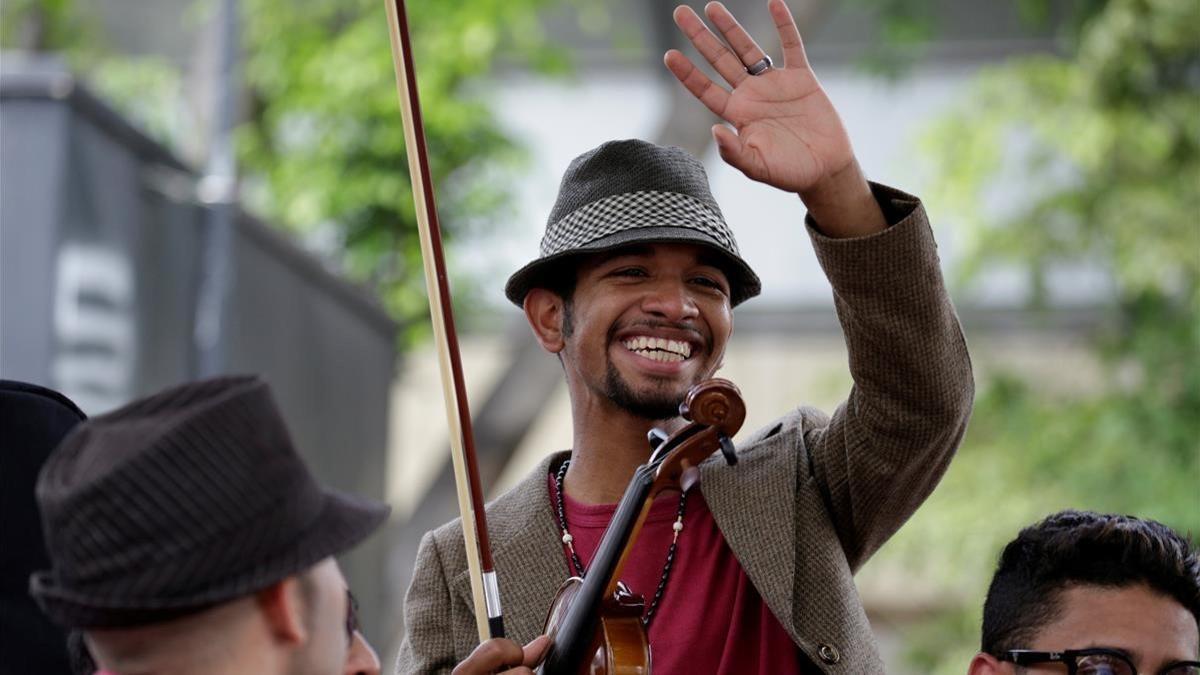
point(218, 191)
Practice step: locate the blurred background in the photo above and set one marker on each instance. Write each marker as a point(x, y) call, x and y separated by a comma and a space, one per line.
point(190, 187)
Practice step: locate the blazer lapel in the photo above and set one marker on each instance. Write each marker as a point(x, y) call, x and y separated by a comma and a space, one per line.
point(753, 503)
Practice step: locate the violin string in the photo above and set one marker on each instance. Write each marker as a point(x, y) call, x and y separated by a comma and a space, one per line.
point(569, 541)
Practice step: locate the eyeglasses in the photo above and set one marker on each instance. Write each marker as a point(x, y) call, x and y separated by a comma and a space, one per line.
point(1095, 661)
point(352, 618)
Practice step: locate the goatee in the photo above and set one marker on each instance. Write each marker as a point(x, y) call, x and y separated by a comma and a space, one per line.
point(650, 406)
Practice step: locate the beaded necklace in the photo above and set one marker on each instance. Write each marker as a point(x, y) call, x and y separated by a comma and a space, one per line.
point(569, 540)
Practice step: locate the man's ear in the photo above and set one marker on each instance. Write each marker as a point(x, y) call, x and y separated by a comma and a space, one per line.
point(544, 310)
point(986, 664)
point(282, 605)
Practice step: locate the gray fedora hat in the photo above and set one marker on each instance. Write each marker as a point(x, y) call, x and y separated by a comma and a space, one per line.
point(182, 500)
point(632, 192)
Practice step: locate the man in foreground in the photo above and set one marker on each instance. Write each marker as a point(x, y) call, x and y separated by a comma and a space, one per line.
point(634, 291)
point(187, 536)
point(1084, 593)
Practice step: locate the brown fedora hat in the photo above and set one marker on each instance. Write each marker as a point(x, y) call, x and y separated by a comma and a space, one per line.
point(182, 500)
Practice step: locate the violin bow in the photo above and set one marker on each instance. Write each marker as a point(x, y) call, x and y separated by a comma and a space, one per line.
point(484, 589)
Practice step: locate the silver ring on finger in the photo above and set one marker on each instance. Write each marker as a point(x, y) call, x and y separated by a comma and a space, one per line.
point(760, 66)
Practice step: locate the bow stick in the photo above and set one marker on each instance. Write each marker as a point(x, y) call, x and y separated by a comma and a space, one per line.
point(485, 592)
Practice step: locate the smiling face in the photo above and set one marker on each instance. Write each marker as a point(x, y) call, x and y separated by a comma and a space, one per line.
point(643, 325)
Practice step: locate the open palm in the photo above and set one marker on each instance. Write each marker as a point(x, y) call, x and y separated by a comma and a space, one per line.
point(788, 134)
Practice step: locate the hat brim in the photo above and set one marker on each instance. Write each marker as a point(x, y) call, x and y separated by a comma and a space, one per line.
point(343, 522)
point(744, 283)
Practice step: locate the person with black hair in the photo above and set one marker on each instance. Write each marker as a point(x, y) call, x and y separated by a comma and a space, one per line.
point(751, 570)
point(1093, 594)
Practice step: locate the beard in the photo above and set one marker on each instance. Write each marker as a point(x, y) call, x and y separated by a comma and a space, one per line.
point(657, 405)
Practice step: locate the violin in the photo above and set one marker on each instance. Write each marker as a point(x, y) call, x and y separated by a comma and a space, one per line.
point(598, 617)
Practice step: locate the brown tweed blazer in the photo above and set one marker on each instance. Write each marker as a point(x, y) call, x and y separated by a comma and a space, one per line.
point(811, 498)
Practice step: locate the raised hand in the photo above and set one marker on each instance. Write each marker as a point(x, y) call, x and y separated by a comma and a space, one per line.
point(788, 133)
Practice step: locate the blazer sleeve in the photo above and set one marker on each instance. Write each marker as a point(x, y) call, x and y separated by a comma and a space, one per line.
point(887, 446)
point(428, 645)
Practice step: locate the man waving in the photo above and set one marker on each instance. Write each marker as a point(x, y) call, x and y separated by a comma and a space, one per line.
point(633, 290)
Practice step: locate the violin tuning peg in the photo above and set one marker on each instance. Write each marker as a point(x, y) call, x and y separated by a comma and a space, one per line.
point(727, 451)
point(685, 410)
point(656, 437)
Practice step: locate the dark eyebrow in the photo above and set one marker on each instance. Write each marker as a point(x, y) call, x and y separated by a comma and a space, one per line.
point(1131, 654)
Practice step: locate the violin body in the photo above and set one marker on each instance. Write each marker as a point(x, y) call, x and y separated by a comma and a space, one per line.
point(621, 646)
point(595, 624)
point(624, 647)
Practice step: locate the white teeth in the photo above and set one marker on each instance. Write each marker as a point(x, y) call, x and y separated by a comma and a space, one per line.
point(682, 348)
point(664, 357)
point(659, 349)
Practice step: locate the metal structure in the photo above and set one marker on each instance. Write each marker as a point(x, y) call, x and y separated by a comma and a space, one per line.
point(101, 253)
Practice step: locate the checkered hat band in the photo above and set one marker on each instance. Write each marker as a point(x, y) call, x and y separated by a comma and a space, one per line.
point(633, 210)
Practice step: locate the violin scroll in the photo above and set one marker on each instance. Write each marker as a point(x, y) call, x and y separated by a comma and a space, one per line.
point(715, 403)
point(716, 411)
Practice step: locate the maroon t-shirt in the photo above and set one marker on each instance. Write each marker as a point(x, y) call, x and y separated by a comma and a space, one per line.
point(711, 619)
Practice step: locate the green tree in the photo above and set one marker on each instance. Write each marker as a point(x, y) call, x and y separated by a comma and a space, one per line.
point(1107, 140)
point(325, 144)
point(322, 146)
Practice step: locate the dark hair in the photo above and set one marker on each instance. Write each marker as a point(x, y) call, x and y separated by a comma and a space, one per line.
point(561, 278)
point(1082, 548)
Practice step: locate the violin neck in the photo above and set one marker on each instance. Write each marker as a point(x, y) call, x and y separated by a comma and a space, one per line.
point(578, 628)
point(607, 562)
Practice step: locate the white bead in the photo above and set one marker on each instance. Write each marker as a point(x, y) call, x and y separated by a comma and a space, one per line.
point(567, 538)
point(678, 526)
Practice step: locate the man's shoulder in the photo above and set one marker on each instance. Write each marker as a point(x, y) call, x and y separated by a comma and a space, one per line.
point(525, 547)
point(787, 429)
point(783, 444)
point(508, 516)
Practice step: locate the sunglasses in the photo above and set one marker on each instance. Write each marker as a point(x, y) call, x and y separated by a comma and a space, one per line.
point(1095, 661)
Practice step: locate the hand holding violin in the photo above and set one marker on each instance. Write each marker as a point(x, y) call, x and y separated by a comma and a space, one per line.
point(501, 655)
point(788, 134)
